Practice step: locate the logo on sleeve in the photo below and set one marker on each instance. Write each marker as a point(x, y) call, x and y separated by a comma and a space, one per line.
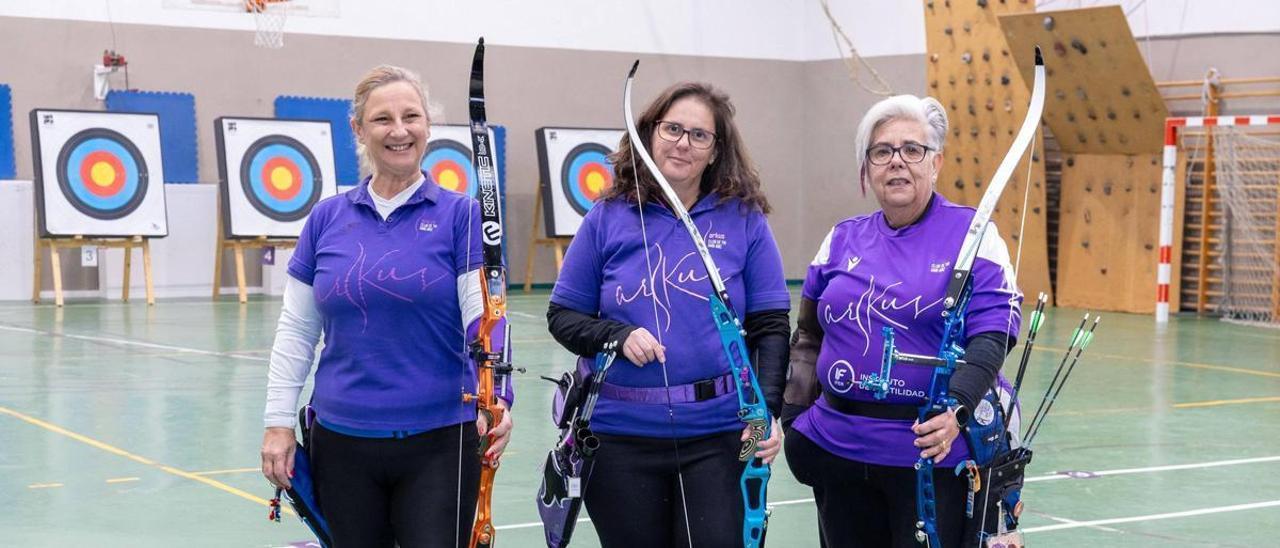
point(853, 262)
point(840, 376)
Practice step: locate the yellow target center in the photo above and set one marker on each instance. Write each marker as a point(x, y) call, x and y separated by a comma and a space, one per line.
point(281, 178)
point(103, 174)
point(449, 179)
point(595, 182)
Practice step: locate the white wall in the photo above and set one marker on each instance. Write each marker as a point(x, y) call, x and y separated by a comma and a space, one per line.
point(793, 30)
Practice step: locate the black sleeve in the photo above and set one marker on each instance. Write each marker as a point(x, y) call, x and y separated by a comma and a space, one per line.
point(584, 334)
point(767, 333)
point(983, 356)
point(802, 378)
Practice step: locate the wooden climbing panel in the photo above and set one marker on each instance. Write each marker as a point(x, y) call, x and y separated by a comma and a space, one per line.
point(973, 73)
point(1108, 118)
point(1102, 99)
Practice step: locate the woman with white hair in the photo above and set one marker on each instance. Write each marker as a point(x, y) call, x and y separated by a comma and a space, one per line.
point(890, 269)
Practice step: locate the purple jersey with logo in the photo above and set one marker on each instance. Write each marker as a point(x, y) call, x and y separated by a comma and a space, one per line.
point(606, 272)
point(393, 356)
point(867, 276)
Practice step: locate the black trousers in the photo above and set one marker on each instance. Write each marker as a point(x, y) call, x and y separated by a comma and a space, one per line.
point(633, 492)
point(380, 492)
point(863, 504)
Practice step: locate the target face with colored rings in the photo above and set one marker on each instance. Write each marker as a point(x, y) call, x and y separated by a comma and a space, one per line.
point(586, 175)
point(280, 177)
point(449, 164)
point(102, 174)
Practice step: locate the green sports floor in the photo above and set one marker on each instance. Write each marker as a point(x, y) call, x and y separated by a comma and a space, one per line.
point(135, 426)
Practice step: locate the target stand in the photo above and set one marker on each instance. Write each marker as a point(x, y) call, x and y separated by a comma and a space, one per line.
point(558, 244)
point(55, 262)
point(575, 172)
point(271, 173)
point(97, 184)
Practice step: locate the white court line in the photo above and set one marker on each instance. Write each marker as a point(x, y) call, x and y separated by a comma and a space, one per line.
point(1124, 471)
point(1057, 476)
point(526, 315)
point(128, 342)
point(1153, 517)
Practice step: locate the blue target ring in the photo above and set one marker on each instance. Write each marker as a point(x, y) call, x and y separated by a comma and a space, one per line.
point(280, 178)
point(449, 164)
point(102, 174)
point(586, 175)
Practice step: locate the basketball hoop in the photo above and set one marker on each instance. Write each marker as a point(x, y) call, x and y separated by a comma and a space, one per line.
point(268, 18)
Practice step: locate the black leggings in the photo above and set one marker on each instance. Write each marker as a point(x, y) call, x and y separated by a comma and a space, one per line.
point(633, 492)
point(383, 492)
point(870, 505)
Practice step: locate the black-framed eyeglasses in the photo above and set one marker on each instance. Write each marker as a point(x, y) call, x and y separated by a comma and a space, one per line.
point(911, 153)
point(698, 138)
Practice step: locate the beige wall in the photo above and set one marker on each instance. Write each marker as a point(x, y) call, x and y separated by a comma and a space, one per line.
point(798, 118)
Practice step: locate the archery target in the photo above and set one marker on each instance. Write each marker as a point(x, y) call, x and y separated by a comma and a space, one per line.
point(98, 173)
point(272, 173)
point(448, 159)
point(575, 173)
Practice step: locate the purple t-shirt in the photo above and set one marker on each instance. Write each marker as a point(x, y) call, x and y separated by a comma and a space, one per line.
point(394, 354)
point(605, 272)
point(867, 276)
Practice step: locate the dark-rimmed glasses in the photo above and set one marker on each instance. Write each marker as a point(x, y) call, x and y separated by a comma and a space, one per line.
point(911, 153)
point(698, 138)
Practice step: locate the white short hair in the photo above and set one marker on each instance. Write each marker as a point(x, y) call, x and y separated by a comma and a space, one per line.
point(927, 111)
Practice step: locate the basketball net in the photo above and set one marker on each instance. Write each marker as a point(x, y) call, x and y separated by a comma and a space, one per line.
point(268, 18)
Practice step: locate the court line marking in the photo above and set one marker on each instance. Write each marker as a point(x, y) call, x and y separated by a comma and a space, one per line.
point(123, 480)
point(136, 458)
point(1214, 403)
point(1068, 523)
point(227, 471)
point(1154, 517)
point(1196, 365)
point(44, 485)
point(130, 342)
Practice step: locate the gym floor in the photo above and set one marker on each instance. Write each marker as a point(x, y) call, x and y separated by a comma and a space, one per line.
point(128, 425)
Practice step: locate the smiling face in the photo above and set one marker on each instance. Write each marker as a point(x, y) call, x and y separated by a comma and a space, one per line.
point(901, 188)
point(394, 130)
point(680, 162)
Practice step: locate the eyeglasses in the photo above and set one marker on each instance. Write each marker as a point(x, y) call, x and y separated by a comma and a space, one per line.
point(698, 138)
point(911, 153)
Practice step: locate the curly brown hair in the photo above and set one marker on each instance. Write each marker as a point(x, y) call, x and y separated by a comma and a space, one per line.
point(732, 175)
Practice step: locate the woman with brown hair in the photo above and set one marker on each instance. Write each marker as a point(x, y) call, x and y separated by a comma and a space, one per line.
point(667, 417)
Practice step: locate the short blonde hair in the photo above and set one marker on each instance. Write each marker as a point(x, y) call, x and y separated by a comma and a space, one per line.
point(377, 77)
point(927, 111)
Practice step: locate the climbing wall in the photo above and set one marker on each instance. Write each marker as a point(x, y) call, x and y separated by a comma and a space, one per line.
point(1108, 118)
point(973, 73)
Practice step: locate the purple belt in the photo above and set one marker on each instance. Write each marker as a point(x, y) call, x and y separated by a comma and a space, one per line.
point(697, 391)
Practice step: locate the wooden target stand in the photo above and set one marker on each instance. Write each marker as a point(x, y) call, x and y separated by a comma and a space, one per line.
point(55, 262)
point(238, 247)
point(535, 242)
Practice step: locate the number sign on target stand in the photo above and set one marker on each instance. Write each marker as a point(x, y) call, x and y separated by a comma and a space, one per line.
point(271, 173)
point(98, 183)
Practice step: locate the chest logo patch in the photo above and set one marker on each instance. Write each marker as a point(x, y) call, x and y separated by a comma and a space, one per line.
point(716, 240)
point(426, 225)
point(939, 267)
point(840, 377)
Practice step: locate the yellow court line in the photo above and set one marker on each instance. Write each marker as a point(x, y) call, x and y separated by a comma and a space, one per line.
point(123, 480)
point(43, 485)
point(1228, 369)
point(136, 458)
point(1214, 403)
point(227, 471)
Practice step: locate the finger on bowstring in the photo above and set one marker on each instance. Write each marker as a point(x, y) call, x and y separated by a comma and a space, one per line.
point(660, 353)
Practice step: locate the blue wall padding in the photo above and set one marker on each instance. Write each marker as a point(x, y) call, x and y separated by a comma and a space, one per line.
point(8, 168)
point(177, 128)
point(338, 113)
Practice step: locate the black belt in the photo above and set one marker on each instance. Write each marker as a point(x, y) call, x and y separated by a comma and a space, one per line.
point(892, 411)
